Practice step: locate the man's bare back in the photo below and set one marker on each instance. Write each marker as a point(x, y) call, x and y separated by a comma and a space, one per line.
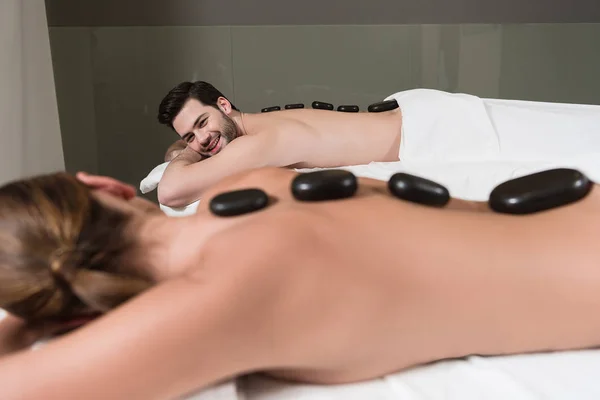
point(332, 139)
point(222, 141)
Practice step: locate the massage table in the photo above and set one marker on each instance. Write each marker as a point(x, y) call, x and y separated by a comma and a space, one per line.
point(526, 137)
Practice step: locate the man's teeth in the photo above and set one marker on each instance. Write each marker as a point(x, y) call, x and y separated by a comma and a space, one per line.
point(214, 144)
point(210, 145)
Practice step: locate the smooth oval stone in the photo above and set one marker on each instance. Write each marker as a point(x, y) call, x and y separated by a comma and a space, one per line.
point(383, 106)
point(269, 109)
point(347, 108)
point(418, 190)
point(238, 202)
point(294, 106)
point(540, 191)
point(324, 185)
point(322, 106)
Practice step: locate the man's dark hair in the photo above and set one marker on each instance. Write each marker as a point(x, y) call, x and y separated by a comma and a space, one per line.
point(173, 102)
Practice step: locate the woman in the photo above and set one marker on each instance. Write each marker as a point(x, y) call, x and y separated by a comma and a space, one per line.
point(325, 292)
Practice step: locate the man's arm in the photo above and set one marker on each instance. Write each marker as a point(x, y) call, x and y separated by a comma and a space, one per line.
point(188, 175)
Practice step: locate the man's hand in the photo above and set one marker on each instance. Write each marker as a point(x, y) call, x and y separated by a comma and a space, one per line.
point(188, 156)
point(174, 150)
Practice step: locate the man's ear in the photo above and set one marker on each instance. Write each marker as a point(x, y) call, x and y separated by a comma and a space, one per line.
point(107, 185)
point(224, 105)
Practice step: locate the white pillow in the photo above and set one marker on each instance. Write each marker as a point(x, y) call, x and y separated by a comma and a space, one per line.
point(181, 211)
point(150, 182)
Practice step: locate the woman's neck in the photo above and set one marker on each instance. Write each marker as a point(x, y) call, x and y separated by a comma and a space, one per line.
point(173, 245)
point(158, 238)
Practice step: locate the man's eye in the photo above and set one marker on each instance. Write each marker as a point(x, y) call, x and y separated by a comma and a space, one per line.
point(203, 123)
point(190, 138)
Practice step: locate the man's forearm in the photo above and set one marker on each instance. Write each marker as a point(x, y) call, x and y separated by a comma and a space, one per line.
point(184, 180)
point(172, 180)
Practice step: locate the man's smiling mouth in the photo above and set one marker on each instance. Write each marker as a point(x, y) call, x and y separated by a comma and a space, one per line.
point(213, 144)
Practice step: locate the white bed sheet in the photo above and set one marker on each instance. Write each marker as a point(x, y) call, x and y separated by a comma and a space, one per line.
point(567, 375)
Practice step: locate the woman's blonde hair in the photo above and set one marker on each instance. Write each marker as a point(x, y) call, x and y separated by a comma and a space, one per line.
point(62, 252)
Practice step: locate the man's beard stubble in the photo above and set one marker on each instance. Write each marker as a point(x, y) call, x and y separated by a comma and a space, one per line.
point(229, 130)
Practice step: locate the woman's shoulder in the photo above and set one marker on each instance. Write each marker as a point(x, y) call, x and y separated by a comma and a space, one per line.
point(255, 244)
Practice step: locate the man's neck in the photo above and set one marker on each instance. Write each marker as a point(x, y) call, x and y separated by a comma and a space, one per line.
point(241, 121)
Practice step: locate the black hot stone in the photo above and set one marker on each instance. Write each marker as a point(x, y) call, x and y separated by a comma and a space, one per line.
point(418, 190)
point(294, 106)
point(322, 106)
point(540, 191)
point(324, 185)
point(238, 202)
point(269, 109)
point(383, 106)
point(347, 108)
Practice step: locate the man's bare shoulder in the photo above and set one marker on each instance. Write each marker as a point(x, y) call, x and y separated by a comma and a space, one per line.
point(251, 142)
point(281, 122)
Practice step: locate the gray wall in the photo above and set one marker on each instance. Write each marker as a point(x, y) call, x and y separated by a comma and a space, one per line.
point(110, 78)
point(30, 141)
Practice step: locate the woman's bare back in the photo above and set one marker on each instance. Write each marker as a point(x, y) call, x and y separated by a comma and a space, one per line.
point(354, 289)
point(336, 291)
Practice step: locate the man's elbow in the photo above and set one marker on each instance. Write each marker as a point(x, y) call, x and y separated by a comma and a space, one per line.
point(170, 196)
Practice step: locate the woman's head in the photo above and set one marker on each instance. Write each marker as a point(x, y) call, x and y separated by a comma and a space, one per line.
point(64, 252)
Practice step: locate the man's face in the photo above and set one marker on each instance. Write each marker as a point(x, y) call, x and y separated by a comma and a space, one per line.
point(205, 129)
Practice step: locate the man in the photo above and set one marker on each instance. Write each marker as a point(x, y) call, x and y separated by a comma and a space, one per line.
point(228, 141)
point(429, 126)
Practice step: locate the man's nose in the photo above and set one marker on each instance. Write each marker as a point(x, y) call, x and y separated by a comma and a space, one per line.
point(203, 139)
point(195, 146)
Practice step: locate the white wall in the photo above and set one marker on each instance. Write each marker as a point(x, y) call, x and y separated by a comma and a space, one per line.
point(30, 140)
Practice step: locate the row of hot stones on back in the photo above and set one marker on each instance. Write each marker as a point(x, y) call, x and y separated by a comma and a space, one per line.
point(381, 106)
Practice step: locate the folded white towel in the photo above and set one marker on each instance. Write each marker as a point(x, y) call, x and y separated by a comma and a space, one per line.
point(151, 181)
point(441, 127)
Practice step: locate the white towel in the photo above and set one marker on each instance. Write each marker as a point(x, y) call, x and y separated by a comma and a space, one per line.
point(443, 127)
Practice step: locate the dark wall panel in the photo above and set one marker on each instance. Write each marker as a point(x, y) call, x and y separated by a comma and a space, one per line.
point(316, 12)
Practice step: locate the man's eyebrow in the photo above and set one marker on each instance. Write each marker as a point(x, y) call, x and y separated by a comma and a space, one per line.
point(187, 135)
